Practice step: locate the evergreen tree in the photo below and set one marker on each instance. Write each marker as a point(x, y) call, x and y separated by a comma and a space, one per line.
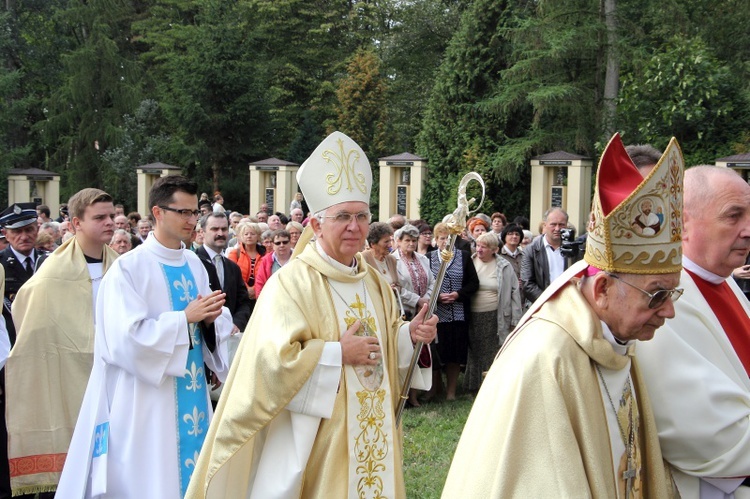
point(211, 90)
point(458, 135)
point(362, 98)
point(99, 84)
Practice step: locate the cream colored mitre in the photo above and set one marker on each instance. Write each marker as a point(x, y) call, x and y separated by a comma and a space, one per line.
point(637, 221)
point(336, 172)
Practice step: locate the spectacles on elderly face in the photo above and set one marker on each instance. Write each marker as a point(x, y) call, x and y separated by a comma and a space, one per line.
point(184, 213)
point(657, 299)
point(344, 217)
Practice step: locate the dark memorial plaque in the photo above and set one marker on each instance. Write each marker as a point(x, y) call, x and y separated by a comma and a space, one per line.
point(270, 192)
point(557, 196)
point(401, 195)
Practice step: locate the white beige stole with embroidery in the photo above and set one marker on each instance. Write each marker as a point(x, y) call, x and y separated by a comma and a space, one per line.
point(370, 424)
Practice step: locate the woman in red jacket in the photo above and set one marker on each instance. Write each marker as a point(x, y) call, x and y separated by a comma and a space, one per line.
point(248, 254)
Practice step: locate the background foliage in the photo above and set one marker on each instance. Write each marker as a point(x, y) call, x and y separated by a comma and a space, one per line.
point(90, 89)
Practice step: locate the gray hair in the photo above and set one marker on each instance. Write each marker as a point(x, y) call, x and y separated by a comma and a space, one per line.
point(121, 232)
point(555, 208)
point(294, 225)
point(406, 230)
point(643, 155)
point(213, 214)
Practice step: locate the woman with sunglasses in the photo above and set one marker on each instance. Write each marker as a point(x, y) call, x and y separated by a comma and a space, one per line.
point(282, 253)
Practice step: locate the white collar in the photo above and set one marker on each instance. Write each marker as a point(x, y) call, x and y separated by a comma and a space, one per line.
point(618, 347)
point(547, 245)
point(22, 258)
point(152, 244)
point(704, 274)
point(211, 253)
point(509, 252)
point(349, 269)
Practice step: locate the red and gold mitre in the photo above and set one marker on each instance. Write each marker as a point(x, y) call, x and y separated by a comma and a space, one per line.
point(637, 222)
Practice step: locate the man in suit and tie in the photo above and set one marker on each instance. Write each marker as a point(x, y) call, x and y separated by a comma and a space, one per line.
point(19, 260)
point(223, 273)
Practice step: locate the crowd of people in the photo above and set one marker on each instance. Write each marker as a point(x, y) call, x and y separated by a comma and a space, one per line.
point(211, 353)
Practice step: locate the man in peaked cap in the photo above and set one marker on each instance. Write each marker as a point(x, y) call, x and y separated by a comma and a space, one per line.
point(698, 368)
point(19, 261)
point(563, 411)
point(308, 408)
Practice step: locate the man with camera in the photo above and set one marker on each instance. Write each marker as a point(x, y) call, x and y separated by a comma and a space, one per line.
point(543, 260)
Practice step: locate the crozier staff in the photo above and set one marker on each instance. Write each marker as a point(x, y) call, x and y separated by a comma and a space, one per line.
point(316, 379)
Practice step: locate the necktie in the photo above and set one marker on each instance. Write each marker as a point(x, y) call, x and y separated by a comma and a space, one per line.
point(27, 267)
point(219, 269)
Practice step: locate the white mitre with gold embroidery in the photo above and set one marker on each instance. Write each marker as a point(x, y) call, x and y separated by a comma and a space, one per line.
point(637, 221)
point(336, 172)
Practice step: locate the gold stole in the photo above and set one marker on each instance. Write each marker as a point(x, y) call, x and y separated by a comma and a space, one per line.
point(370, 426)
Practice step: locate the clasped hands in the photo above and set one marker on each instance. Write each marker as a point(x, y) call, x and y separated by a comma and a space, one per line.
point(366, 351)
point(205, 309)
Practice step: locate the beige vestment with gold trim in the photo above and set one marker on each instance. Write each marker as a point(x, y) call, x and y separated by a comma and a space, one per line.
point(279, 352)
point(49, 366)
point(538, 427)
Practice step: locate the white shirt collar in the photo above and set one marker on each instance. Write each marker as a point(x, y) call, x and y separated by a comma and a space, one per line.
point(704, 274)
point(548, 245)
point(618, 347)
point(22, 258)
point(211, 253)
point(511, 253)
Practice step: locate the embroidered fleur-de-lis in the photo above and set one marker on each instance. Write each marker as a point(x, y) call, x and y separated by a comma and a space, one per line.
point(100, 439)
point(186, 286)
point(195, 336)
point(195, 374)
point(344, 162)
point(190, 463)
point(195, 419)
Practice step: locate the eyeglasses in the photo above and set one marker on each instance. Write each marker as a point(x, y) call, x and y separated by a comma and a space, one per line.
point(344, 217)
point(185, 214)
point(655, 300)
point(427, 234)
point(276, 243)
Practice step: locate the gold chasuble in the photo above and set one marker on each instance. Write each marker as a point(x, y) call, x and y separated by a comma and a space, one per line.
point(354, 453)
point(551, 438)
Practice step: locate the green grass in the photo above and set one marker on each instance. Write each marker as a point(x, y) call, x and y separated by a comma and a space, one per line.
point(431, 434)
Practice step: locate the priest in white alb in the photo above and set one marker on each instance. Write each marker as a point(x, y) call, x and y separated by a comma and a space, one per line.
point(146, 409)
point(698, 368)
point(564, 411)
point(308, 408)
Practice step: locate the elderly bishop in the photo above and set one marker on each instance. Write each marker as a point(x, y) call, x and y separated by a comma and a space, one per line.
point(308, 408)
point(564, 411)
